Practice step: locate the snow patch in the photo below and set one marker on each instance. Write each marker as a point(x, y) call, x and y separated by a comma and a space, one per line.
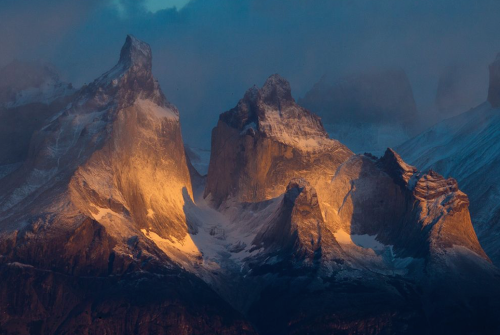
point(46, 93)
point(152, 108)
point(300, 132)
point(7, 169)
point(368, 241)
point(20, 265)
point(102, 212)
point(185, 245)
point(365, 241)
point(251, 125)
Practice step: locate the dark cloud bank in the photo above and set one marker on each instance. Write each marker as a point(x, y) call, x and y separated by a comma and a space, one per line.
point(209, 52)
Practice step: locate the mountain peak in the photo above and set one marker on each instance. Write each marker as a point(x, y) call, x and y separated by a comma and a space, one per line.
point(276, 80)
point(296, 187)
point(397, 168)
point(132, 76)
point(136, 53)
point(299, 228)
point(276, 89)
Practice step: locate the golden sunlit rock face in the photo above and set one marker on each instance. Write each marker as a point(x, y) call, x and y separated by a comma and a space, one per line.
point(414, 212)
point(349, 213)
point(257, 148)
point(148, 189)
point(105, 187)
point(107, 228)
point(266, 141)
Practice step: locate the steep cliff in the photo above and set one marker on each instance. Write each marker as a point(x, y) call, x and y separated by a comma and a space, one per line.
point(466, 148)
point(107, 227)
point(264, 142)
point(105, 179)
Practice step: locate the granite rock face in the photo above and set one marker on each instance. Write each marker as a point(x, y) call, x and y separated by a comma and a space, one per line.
point(419, 214)
point(300, 230)
point(102, 155)
point(465, 147)
point(373, 219)
point(101, 177)
point(264, 142)
point(107, 227)
point(401, 238)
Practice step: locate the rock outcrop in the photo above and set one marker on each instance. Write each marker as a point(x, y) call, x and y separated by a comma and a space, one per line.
point(406, 234)
point(105, 182)
point(107, 148)
point(465, 147)
point(102, 231)
point(419, 214)
point(264, 142)
point(299, 231)
point(371, 219)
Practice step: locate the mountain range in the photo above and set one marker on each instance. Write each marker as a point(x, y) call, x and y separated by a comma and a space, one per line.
point(106, 227)
point(465, 147)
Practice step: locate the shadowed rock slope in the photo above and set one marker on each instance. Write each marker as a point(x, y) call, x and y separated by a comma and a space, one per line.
point(466, 148)
point(264, 142)
point(107, 227)
point(343, 227)
point(102, 174)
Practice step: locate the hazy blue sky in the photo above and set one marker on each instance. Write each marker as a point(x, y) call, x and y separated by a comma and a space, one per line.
point(208, 52)
point(153, 5)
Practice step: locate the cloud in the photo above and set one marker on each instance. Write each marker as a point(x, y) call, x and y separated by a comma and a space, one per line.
point(156, 5)
point(127, 8)
point(208, 52)
point(36, 27)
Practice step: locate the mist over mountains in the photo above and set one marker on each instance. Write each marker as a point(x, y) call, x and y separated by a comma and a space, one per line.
point(106, 226)
point(210, 51)
point(249, 167)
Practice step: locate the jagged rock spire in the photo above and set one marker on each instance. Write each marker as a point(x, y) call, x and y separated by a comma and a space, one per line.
point(132, 76)
point(136, 53)
point(395, 166)
point(299, 231)
point(268, 131)
point(276, 90)
point(273, 111)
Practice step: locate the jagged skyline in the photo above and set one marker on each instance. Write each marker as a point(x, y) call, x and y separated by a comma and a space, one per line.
point(208, 52)
point(106, 227)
